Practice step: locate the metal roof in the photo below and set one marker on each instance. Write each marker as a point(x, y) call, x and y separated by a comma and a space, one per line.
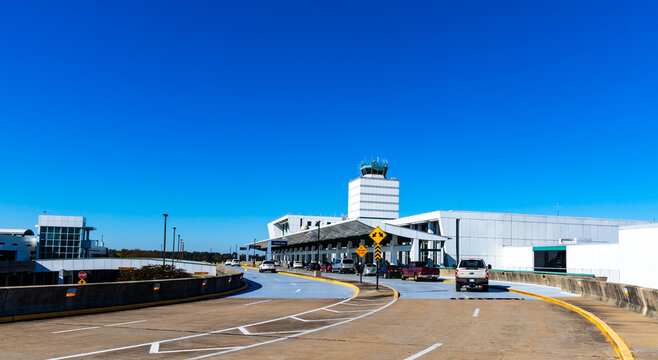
point(350, 228)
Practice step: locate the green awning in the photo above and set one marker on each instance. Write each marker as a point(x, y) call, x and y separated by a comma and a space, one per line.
point(549, 248)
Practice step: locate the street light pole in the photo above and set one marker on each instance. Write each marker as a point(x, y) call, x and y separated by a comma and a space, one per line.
point(173, 247)
point(253, 260)
point(164, 246)
point(179, 254)
point(318, 223)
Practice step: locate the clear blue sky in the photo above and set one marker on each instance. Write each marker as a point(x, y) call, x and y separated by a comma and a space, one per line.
point(229, 114)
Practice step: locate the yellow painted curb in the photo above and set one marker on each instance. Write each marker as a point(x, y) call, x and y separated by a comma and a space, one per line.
point(115, 308)
point(356, 289)
point(618, 343)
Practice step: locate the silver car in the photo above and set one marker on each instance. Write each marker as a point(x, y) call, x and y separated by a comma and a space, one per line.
point(370, 269)
point(267, 265)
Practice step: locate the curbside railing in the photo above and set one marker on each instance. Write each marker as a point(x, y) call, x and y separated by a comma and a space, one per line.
point(25, 302)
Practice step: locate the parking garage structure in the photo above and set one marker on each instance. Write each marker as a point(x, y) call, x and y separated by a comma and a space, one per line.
point(340, 240)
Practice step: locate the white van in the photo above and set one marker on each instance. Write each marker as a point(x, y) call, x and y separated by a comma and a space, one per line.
point(343, 265)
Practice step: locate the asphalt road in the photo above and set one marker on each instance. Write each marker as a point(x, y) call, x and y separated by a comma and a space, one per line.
point(273, 320)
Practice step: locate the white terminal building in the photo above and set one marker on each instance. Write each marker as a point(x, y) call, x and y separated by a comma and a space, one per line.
point(506, 241)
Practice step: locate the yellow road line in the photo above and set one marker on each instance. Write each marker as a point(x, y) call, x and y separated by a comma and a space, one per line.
point(618, 343)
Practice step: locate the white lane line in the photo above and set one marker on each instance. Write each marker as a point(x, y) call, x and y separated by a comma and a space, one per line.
point(293, 284)
point(257, 302)
point(345, 311)
point(294, 335)
point(235, 328)
point(476, 312)
point(417, 355)
point(298, 290)
point(80, 329)
point(97, 327)
point(372, 304)
point(305, 320)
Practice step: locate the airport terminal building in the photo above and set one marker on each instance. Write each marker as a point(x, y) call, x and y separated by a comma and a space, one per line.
point(506, 241)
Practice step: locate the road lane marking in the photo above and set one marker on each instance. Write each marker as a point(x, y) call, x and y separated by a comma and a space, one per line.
point(396, 296)
point(417, 355)
point(305, 320)
point(374, 304)
point(97, 327)
point(476, 312)
point(298, 290)
point(257, 302)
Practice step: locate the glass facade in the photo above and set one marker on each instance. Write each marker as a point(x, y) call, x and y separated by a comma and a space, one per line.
point(57, 242)
point(551, 260)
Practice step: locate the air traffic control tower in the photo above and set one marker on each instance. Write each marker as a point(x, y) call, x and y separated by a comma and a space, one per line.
point(372, 195)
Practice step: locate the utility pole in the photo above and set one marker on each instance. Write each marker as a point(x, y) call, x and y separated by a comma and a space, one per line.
point(253, 260)
point(179, 254)
point(173, 247)
point(318, 242)
point(164, 244)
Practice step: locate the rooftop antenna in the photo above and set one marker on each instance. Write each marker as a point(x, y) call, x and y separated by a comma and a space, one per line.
point(557, 208)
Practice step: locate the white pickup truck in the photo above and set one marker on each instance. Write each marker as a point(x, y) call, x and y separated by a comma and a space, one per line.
point(472, 273)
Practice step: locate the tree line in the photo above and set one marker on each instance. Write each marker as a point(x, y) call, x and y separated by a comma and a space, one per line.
point(211, 257)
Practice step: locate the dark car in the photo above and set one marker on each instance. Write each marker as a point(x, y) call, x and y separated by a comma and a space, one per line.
point(391, 271)
point(313, 265)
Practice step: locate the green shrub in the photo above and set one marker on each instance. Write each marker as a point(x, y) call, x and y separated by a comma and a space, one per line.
point(153, 272)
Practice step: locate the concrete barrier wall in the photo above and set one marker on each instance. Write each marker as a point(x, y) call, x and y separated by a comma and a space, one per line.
point(17, 302)
point(227, 270)
point(638, 299)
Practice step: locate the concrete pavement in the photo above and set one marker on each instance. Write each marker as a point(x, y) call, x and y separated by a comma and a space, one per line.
point(275, 321)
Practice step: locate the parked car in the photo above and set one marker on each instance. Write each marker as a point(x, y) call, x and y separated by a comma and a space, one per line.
point(391, 271)
point(277, 263)
point(343, 265)
point(472, 273)
point(369, 269)
point(235, 262)
point(419, 270)
point(312, 266)
point(267, 265)
point(297, 265)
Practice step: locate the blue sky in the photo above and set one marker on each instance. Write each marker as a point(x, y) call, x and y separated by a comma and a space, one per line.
point(227, 115)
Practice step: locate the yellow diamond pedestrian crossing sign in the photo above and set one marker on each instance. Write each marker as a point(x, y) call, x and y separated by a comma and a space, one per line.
point(361, 251)
point(377, 235)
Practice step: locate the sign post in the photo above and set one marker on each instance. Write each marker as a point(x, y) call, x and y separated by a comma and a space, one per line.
point(377, 235)
point(361, 251)
point(82, 275)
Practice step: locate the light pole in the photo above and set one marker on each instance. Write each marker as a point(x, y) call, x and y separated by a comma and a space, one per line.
point(318, 224)
point(173, 247)
point(180, 256)
point(164, 246)
point(253, 261)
